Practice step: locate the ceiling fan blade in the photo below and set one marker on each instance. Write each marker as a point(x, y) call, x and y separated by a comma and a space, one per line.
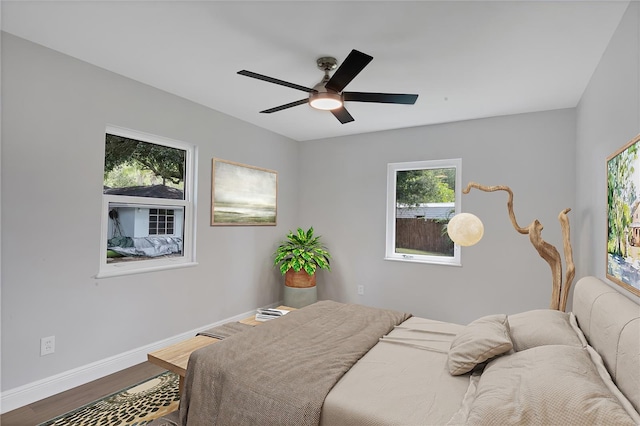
point(285, 106)
point(352, 65)
point(342, 114)
point(275, 81)
point(386, 98)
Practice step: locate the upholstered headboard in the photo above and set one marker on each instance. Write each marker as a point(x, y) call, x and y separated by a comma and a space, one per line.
point(611, 323)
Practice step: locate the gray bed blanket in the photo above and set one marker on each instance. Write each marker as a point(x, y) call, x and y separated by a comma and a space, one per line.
point(280, 372)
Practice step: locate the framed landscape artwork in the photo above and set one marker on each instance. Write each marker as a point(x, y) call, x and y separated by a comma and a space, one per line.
point(242, 195)
point(623, 216)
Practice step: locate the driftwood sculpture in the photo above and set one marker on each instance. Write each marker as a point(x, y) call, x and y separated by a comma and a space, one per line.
point(559, 291)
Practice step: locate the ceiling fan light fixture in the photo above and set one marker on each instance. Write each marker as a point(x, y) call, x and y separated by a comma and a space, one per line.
point(329, 94)
point(325, 101)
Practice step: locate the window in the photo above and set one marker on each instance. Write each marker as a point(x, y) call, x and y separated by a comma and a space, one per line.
point(421, 198)
point(161, 221)
point(148, 213)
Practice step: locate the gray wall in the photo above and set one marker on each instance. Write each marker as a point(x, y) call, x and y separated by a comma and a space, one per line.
point(345, 200)
point(54, 113)
point(608, 116)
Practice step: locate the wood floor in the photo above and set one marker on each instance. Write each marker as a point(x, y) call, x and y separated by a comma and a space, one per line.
point(61, 403)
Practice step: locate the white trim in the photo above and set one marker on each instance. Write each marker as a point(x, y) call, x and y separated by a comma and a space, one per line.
point(390, 245)
point(145, 137)
point(139, 270)
point(44, 388)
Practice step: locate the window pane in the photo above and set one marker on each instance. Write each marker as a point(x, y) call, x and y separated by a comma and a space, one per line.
point(142, 169)
point(425, 201)
point(134, 236)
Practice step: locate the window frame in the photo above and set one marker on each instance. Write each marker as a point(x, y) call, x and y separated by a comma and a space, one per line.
point(188, 257)
point(392, 169)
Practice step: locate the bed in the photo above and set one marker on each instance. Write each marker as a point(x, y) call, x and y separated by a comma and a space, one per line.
point(337, 364)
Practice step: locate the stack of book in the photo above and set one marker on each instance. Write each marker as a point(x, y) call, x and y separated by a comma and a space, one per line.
point(270, 313)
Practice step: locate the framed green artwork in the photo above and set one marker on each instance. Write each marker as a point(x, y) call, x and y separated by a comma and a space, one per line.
point(623, 216)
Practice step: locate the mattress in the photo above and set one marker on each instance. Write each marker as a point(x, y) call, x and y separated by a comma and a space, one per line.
point(402, 380)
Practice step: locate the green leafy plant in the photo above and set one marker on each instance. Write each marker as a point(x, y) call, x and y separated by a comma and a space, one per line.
point(301, 250)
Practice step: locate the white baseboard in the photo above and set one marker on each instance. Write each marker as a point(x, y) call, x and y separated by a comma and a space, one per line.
point(44, 388)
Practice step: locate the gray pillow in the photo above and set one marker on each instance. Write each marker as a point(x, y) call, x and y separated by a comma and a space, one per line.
point(481, 340)
point(554, 384)
point(542, 327)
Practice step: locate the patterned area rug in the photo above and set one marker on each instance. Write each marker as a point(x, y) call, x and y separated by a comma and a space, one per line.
point(135, 406)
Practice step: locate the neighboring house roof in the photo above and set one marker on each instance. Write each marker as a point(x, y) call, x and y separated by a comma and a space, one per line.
point(427, 211)
point(153, 191)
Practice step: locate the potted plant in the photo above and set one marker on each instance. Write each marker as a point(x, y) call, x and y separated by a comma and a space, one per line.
point(299, 256)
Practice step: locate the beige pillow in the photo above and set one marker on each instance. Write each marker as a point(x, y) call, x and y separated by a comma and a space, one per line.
point(554, 384)
point(542, 327)
point(481, 340)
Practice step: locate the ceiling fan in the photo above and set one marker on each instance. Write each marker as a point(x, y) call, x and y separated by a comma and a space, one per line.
point(328, 94)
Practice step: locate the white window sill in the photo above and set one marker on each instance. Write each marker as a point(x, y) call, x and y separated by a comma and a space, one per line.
point(422, 260)
point(115, 271)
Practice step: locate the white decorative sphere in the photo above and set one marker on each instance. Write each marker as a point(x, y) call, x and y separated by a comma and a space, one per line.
point(465, 229)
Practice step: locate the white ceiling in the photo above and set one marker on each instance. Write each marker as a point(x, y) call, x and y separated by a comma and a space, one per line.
point(466, 60)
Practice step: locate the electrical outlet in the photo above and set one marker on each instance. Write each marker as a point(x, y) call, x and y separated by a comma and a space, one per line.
point(361, 290)
point(47, 345)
